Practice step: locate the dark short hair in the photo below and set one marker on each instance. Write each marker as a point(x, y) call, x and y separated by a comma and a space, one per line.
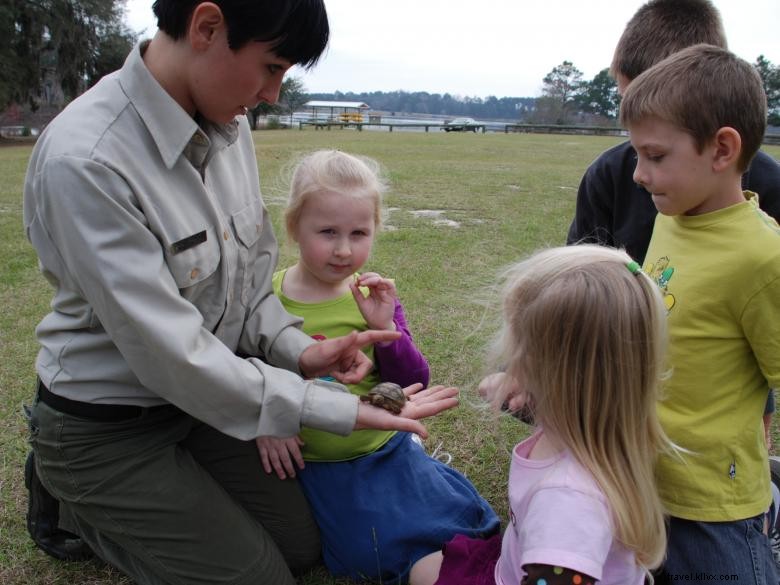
point(297, 29)
point(700, 90)
point(662, 27)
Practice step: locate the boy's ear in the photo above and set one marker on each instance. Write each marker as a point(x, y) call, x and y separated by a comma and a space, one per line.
point(728, 146)
point(206, 20)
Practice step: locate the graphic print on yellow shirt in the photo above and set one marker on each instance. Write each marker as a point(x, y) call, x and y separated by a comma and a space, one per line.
point(662, 273)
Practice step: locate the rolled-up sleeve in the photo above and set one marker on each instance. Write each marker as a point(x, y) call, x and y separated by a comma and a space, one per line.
point(401, 361)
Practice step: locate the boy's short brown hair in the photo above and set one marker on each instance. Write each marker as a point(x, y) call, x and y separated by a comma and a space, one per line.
point(700, 90)
point(662, 27)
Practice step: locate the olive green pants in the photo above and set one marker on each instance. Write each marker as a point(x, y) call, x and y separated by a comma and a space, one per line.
point(169, 500)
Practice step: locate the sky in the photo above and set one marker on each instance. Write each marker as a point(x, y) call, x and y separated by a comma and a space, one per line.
point(501, 48)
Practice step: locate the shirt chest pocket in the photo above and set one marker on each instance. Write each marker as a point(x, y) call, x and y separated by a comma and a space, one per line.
point(193, 259)
point(194, 264)
point(248, 223)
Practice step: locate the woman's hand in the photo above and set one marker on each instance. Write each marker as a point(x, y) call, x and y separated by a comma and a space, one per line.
point(379, 306)
point(420, 404)
point(341, 357)
point(280, 455)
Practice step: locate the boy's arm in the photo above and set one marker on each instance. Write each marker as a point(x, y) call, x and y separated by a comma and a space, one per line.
point(761, 324)
point(763, 177)
point(593, 216)
point(401, 361)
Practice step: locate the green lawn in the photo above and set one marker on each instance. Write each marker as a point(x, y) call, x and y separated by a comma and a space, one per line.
point(497, 198)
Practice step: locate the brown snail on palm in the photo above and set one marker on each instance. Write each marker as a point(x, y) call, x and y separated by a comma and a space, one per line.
point(387, 395)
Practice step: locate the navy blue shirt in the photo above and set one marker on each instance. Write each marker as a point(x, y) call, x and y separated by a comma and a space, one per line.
point(613, 210)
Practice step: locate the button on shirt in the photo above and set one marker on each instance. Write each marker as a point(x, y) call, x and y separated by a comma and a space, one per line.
point(151, 229)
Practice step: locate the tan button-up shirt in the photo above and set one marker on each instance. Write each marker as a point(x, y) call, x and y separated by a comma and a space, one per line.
point(152, 231)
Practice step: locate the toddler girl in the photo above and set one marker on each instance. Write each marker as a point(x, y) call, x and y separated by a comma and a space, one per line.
point(583, 337)
point(381, 503)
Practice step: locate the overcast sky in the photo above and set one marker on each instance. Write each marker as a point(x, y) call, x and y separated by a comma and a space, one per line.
point(493, 47)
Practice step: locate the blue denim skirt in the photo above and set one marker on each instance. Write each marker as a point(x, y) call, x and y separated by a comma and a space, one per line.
point(380, 513)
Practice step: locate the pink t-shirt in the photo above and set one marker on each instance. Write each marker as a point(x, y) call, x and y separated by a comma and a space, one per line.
point(559, 516)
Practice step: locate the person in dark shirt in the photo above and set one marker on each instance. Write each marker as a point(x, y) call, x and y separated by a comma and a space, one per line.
point(611, 208)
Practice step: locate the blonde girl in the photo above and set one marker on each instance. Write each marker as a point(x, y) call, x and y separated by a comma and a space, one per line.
point(380, 501)
point(583, 336)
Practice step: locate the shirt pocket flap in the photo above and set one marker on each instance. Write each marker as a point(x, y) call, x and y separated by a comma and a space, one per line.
point(192, 265)
point(248, 223)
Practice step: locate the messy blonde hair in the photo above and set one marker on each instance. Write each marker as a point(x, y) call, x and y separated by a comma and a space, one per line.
point(332, 171)
point(700, 90)
point(585, 337)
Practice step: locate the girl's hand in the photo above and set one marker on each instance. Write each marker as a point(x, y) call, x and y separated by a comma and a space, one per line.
point(379, 306)
point(341, 357)
point(421, 404)
point(278, 455)
point(504, 390)
point(491, 384)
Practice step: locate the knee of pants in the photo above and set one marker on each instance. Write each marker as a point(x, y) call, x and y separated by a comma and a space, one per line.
point(305, 555)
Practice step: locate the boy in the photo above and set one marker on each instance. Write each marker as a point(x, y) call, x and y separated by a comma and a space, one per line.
point(611, 208)
point(165, 352)
point(696, 120)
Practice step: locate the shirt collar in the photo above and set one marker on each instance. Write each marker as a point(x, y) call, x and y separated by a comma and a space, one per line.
point(170, 126)
point(712, 217)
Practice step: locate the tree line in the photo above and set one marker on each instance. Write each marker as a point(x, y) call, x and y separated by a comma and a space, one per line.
point(567, 98)
point(53, 50)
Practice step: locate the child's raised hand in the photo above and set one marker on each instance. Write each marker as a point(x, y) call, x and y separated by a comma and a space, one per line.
point(379, 306)
point(277, 454)
point(421, 404)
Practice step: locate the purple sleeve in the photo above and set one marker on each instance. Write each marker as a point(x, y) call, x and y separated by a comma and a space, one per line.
point(400, 361)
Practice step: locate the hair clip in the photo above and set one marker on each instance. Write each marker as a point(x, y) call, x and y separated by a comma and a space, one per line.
point(633, 267)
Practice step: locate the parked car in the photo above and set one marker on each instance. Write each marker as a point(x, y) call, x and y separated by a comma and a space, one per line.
point(461, 125)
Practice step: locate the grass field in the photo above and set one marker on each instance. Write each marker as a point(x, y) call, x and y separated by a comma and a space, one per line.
point(460, 206)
